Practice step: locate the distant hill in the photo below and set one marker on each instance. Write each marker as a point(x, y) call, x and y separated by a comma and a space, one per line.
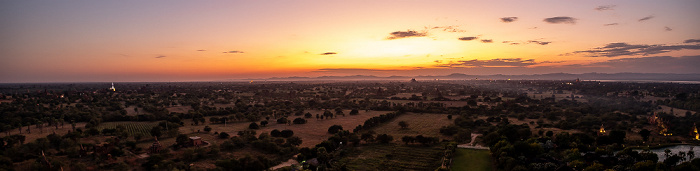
point(551, 76)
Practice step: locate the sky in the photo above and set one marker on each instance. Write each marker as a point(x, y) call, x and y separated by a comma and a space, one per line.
point(158, 40)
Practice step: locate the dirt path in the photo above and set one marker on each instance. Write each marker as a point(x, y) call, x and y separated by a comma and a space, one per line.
point(285, 164)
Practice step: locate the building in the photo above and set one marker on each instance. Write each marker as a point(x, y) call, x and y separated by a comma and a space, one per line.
point(112, 88)
point(156, 147)
point(196, 141)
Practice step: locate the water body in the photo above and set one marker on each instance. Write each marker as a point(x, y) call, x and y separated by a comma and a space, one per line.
point(674, 150)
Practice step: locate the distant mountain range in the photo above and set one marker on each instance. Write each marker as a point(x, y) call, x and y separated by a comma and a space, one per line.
point(551, 76)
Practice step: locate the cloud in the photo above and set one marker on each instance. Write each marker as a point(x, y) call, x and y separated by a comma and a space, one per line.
point(328, 53)
point(486, 41)
point(467, 38)
point(646, 18)
point(352, 70)
point(560, 20)
point(509, 19)
point(692, 41)
point(234, 51)
point(539, 42)
point(406, 34)
point(605, 7)
point(624, 49)
point(656, 64)
point(160, 56)
point(611, 24)
point(438, 61)
point(504, 62)
point(668, 28)
point(451, 29)
point(201, 50)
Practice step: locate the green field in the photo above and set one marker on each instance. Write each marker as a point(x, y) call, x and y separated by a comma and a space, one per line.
point(394, 157)
point(132, 128)
point(471, 159)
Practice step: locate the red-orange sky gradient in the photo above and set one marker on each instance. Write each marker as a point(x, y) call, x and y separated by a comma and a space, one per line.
point(113, 41)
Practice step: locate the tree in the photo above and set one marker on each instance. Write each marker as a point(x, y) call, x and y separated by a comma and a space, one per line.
point(207, 128)
point(407, 139)
point(368, 137)
point(384, 138)
point(253, 126)
point(645, 134)
point(156, 131)
point(182, 140)
point(308, 115)
point(354, 112)
point(224, 135)
point(463, 136)
point(282, 120)
point(263, 123)
point(449, 117)
point(403, 124)
point(294, 141)
point(299, 121)
point(334, 129)
point(287, 133)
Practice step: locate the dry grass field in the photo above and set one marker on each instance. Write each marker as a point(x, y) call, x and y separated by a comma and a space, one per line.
point(37, 133)
point(311, 133)
point(418, 124)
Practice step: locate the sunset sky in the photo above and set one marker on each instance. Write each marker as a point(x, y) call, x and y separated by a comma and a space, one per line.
point(153, 40)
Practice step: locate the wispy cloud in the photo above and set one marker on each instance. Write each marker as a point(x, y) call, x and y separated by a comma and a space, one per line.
point(668, 28)
point(692, 41)
point(467, 38)
point(201, 50)
point(605, 7)
point(406, 34)
point(539, 42)
point(646, 18)
point(624, 49)
point(504, 62)
point(328, 53)
point(509, 19)
point(451, 29)
point(234, 51)
point(486, 40)
point(611, 24)
point(560, 20)
point(160, 56)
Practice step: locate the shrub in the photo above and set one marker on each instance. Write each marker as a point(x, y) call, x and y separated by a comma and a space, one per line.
point(384, 138)
point(275, 133)
point(334, 129)
point(282, 120)
point(354, 112)
point(287, 133)
point(253, 126)
point(224, 135)
point(299, 121)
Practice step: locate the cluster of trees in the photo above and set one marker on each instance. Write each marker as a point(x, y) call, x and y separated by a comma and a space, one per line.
point(375, 121)
point(426, 141)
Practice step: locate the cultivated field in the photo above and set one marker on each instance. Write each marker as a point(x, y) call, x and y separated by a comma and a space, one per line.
point(418, 124)
point(133, 128)
point(471, 160)
point(394, 157)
